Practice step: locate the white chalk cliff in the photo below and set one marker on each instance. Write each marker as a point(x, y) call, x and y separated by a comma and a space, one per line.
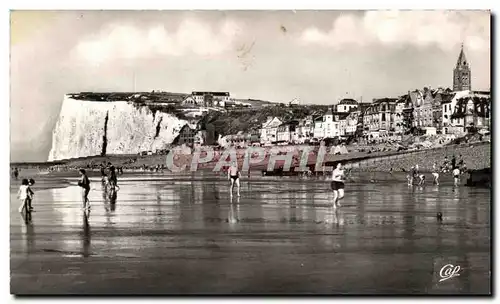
point(84, 126)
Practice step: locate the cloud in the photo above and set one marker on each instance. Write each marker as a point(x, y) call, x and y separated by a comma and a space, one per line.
point(444, 29)
point(118, 41)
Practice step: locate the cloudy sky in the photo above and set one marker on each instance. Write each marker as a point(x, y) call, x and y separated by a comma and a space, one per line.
point(315, 56)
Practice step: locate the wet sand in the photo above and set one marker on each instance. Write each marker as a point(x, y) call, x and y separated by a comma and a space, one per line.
point(185, 235)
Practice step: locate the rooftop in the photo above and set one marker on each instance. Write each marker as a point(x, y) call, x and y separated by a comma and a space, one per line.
point(348, 101)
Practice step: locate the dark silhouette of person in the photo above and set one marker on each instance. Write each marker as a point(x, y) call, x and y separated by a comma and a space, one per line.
point(113, 180)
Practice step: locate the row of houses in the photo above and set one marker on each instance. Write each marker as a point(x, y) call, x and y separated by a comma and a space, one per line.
point(214, 99)
point(439, 111)
point(433, 111)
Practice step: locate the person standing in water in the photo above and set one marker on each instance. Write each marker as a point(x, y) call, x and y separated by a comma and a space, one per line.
point(113, 180)
point(409, 176)
point(435, 174)
point(233, 174)
point(456, 176)
point(338, 185)
point(84, 183)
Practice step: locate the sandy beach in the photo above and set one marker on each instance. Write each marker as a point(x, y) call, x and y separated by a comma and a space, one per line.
point(186, 235)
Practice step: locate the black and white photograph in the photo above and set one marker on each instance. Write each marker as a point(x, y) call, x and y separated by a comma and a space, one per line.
point(250, 152)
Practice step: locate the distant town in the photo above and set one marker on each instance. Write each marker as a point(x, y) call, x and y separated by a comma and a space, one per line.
point(427, 111)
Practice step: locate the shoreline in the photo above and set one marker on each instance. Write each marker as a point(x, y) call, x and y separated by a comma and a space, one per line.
point(371, 162)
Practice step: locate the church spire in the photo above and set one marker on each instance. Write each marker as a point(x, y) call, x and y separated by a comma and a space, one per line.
point(462, 61)
point(461, 73)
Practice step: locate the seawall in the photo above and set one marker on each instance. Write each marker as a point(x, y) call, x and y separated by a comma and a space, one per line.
point(476, 156)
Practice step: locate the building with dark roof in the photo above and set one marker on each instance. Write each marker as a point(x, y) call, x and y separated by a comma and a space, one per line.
point(186, 136)
point(347, 105)
point(380, 116)
point(473, 110)
point(286, 132)
point(210, 99)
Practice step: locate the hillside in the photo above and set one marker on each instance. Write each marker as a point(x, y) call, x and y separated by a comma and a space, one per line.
point(252, 119)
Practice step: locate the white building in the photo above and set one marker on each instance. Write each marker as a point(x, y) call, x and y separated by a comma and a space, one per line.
point(329, 125)
point(287, 132)
point(269, 131)
point(305, 129)
point(352, 121)
point(449, 107)
point(211, 99)
point(189, 101)
point(346, 105)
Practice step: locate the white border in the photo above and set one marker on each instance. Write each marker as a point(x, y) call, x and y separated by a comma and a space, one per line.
point(185, 4)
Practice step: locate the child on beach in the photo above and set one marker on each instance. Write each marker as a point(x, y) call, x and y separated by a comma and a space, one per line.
point(31, 182)
point(24, 195)
point(422, 180)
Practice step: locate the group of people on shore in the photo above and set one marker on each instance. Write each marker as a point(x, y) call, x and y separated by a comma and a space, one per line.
point(456, 169)
point(109, 183)
point(339, 175)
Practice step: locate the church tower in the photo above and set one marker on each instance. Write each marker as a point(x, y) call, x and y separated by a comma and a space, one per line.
point(461, 73)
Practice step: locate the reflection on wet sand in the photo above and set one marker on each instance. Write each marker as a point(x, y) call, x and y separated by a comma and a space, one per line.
point(86, 235)
point(179, 236)
point(234, 208)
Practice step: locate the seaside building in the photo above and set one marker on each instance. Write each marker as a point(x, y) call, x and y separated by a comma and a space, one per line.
point(186, 136)
point(398, 116)
point(423, 103)
point(269, 130)
point(305, 129)
point(472, 110)
point(347, 105)
point(211, 99)
point(448, 108)
point(330, 125)
point(287, 132)
point(379, 118)
point(352, 121)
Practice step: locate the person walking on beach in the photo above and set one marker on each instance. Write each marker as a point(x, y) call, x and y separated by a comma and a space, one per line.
point(456, 176)
point(84, 183)
point(410, 176)
point(113, 180)
point(24, 195)
point(233, 174)
point(103, 176)
point(31, 194)
point(338, 184)
point(435, 174)
point(16, 173)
